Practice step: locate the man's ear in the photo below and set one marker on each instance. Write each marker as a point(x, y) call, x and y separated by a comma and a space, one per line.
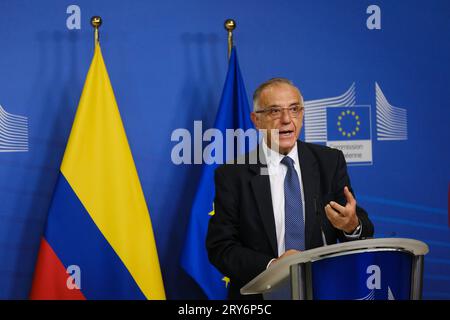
point(255, 120)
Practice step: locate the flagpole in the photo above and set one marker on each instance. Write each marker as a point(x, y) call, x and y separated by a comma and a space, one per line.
point(96, 22)
point(230, 25)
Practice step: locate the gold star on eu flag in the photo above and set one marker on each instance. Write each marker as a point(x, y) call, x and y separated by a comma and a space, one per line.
point(212, 212)
point(226, 280)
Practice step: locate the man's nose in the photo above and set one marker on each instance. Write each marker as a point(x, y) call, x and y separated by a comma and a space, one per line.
point(285, 116)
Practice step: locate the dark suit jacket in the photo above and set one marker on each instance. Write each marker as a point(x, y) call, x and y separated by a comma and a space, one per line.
point(241, 238)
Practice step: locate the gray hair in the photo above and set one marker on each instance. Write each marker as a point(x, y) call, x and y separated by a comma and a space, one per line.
point(268, 83)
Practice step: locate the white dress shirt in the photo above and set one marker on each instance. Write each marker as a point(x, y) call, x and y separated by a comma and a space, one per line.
point(277, 172)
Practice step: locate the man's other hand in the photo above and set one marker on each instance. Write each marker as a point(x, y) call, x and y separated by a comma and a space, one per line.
point(343, 218)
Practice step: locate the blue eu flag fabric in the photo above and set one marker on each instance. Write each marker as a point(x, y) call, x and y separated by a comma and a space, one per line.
point(233, 113)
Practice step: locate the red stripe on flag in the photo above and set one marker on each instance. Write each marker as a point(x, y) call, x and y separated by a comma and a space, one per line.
point(50, 278)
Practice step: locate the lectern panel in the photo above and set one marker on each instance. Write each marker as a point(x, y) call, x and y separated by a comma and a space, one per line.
point(380, 275)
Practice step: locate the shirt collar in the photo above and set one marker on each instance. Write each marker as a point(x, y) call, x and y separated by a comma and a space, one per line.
point(274, 158)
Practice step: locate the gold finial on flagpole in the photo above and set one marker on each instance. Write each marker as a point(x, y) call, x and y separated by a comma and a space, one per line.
point(96, 22)
point(230, 25)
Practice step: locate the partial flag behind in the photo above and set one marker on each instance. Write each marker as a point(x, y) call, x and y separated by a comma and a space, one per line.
point(98, 241)
point(233, 113)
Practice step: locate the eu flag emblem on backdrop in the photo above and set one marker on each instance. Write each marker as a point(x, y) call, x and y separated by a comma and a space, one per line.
point(349, 130)
point(348, 123)
point(233, 113)
point(98, 241)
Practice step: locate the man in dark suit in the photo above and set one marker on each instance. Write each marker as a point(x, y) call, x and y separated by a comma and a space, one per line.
point(296, 196)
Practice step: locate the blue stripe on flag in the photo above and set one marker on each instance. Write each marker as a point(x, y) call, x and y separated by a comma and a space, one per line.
point(76, 240)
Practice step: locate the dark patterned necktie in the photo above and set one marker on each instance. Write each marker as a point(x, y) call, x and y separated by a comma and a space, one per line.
point(293, 216)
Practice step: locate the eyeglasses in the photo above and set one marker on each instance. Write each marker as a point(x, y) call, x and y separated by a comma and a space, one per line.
point(276, 112)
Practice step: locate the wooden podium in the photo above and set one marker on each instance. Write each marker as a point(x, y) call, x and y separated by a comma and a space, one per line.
point(374, 269)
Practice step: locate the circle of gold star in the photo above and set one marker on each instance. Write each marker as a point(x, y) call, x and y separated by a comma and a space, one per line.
point(354, 131)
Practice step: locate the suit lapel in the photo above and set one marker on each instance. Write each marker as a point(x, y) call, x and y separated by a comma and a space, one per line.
point(260, 184)
point(311, 187)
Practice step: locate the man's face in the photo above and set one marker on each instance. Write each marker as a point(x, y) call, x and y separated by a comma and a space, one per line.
point(279, 95)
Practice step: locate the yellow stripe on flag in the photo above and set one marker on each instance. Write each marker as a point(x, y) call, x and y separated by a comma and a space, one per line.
point(100, 169)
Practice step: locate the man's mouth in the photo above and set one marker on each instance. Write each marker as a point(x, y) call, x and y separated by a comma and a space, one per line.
point(286, 133)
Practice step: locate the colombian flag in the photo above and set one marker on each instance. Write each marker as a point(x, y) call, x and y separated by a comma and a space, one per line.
point(98, 241)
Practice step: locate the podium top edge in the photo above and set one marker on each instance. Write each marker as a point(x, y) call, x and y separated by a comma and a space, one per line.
point(265, 280)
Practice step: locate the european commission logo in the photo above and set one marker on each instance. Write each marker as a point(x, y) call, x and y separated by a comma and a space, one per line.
point(340, 123)
point(13, 132)
point(348, 129)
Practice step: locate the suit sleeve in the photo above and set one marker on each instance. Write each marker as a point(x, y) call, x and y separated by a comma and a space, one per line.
point(225, 250)
point(341, 179)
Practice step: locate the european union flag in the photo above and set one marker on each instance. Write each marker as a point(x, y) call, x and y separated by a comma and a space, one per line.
point(233, 113)
point(348, 123)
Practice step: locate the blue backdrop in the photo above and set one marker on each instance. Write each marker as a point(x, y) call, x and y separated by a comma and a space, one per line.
point(167, 62)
